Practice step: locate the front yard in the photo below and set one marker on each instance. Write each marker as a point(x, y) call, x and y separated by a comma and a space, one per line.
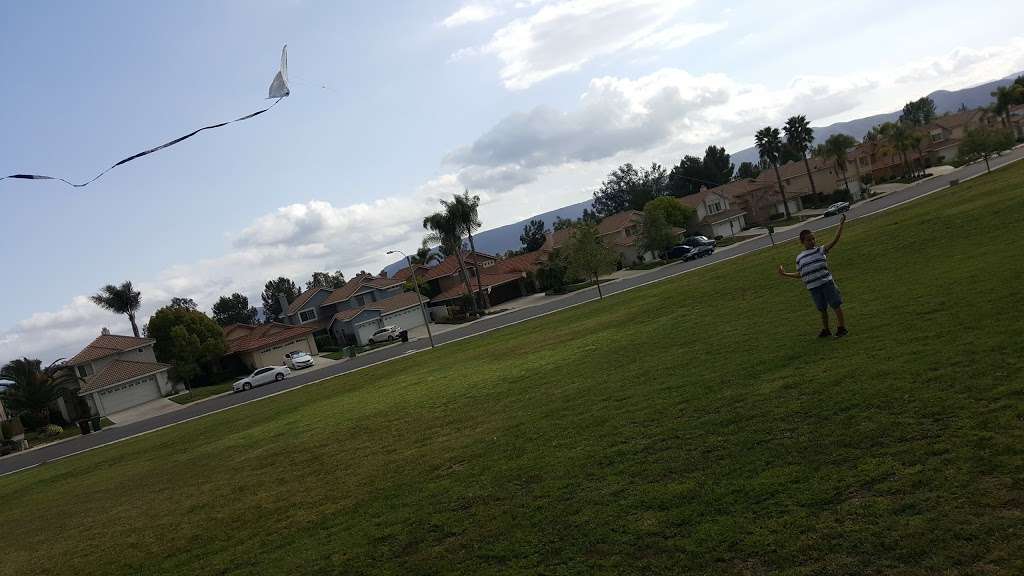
point(202, 392)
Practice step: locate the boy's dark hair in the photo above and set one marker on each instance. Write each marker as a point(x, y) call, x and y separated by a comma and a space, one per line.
point(804, 233)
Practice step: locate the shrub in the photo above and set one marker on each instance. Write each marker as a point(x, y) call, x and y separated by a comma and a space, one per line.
point(53, 430)
point(325, 343)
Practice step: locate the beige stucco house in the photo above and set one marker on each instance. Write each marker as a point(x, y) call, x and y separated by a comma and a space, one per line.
point(266, 344)
point(117, 373)
point(714, 214)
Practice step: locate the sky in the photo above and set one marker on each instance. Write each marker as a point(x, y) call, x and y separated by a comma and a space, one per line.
point(394, 105)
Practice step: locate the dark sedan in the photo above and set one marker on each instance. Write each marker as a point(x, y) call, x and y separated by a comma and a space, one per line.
point(687, 253)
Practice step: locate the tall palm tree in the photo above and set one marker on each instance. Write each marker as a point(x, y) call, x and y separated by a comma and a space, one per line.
point(837, 148)
point(465, 210)
point(799, 136)
point(899, 139)
point(769, 148)
point(447, 232)
point(34, 388)
point(123, 299)
point(1005, 96)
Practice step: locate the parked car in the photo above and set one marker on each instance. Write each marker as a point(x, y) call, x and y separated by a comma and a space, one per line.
point(261, 377)
point(837, 208)
point(690, 252)
point(297, 360)
point(698, 241)
point(386, 334)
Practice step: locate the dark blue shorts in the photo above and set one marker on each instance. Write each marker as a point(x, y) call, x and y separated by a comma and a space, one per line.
point(826, 295)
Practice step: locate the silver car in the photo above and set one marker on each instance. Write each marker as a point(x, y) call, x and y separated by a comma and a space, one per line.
point(386, 334)
point(261, 377)
point(297, 360)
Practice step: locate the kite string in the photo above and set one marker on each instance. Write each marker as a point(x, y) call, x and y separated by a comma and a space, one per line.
point(145, 152)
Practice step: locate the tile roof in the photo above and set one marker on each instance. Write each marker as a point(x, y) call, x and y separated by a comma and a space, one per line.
point(951, 121)
point(450, 265)
point(406, 273)
point(694, 200)
point(301, 300)
point(793, 169)
point(245, 337)
point(488, 281)
point(393, 304)
point(105, 345)
point(608, 225)
point(356, 284)
point(118, 371)
point(527, 262)
point(723, 216)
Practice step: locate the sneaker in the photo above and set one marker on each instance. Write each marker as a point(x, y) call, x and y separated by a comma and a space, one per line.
point(825, 333)
point(841, 332)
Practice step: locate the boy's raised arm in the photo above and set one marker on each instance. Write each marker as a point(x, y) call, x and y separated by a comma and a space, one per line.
point(839, 233)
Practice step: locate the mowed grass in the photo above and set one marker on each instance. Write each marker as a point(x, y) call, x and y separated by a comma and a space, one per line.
point(691, 426)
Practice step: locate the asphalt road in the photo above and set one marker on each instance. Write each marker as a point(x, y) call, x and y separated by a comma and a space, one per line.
point(41, 456)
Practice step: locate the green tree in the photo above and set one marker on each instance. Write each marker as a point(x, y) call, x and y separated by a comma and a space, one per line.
point(687, 177)
point(533, 236)
point(837, 148)
point(208, 335)
point(326, 280)
point(769, 147)
point(747, 171)
point(186, 352)
point(185, 303)
point(464, 211)
point(627, 188)
point(34, 388)
point(655, 233)
point(447, 232)
point(983, 143)
point(234, 309)
point(901, 139)
point(271, 290)
point(123, 299)
point(717, 167)
point(1006, 97)
point(918, 112)
point(562, 223)
point(672, 211)
point(586, 255)
point(799, 136)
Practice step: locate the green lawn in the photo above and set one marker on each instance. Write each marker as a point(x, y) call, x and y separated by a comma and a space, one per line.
point(615, 437)
point(335, 355)
point(202, 392)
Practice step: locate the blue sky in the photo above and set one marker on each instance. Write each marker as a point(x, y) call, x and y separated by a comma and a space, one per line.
point(393, 105)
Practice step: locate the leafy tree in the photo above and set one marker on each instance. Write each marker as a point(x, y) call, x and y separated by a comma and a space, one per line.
point(984, 143)
point(716, 166)
point(918, 112)
point(769, 148)
point(673, 212)
point(271, 290)
point(901, 139)
point(326, 280)
point(234, 309)
point(33, 387)
point(1007, 96)
point(447, 231)
point(627, 188)
point(551, 272)
point(533, 236)
point(799, 136)
point(562, 223)
point(123, 299)
point(655, 233)
point(687, 177)
point(589, 216)
point(208, 335)
point(587, 256)
point(747, 171)
point(464, 210)
point(836, 148)
point(185, 303)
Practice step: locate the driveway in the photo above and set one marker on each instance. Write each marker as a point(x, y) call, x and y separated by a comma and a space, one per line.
point(144, 411)
point(73, 446)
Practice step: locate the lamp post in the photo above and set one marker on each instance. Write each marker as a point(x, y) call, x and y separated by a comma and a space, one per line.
point(419, 297)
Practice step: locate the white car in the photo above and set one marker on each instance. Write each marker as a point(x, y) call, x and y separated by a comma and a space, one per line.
point(297, 360)
point(386, 334)
point(261, 377)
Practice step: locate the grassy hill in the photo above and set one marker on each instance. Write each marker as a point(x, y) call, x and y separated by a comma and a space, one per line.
point(691, 426)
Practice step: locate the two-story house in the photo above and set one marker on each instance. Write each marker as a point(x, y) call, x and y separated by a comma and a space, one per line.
point(620, 231)
point(500, 282)
point(352, 313)
point(945, 133)
point(713, 215)
point(117, 373)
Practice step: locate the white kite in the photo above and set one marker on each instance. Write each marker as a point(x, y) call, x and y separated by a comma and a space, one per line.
point(278, 90)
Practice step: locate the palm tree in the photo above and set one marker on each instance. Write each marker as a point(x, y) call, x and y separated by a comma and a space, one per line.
point(1005, 96)
point(447, 232)
point(34, 388)
point(836, 148)
point(799, 136)
point(900, 139)
point(123, 299)
point(465, 210)
point(769, 148)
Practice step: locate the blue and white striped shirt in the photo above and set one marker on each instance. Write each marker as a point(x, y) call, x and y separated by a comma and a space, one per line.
point(813, 267)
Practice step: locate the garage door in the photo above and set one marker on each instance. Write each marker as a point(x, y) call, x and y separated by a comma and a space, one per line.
point(129, 394)
point(366, 329)
point(406, 319)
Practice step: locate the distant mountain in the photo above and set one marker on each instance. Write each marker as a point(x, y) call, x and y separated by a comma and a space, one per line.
point(945, 101)
point(499, 240)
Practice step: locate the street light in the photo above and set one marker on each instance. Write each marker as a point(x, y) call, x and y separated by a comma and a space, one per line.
point(419, 297)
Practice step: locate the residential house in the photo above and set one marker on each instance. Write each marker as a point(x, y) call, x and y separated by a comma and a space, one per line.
point(946, 133)
point(714, 215)
point(621, 232)
point(266, 344)
point(117, 373)
point(1017, 121)
point(499, 283)
point(353, 312)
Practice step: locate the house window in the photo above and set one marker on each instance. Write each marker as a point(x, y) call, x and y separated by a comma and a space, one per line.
point(715, 208)
point(307, 315)
point(938, 136)
point(85, 370)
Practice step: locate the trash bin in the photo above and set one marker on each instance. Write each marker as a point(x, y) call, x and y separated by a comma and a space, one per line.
point(96, 426)
point(350, 351)
point(83, 426)
point(404, 334)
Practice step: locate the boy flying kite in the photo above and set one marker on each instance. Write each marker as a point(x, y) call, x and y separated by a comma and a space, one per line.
point(812, 268)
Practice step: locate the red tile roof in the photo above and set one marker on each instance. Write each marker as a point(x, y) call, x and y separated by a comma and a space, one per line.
point(527, 262)
point(245, 337)
point(119, 371)
point(607, 225)
point(488, 281)
point(107, 344)
point(450, 265)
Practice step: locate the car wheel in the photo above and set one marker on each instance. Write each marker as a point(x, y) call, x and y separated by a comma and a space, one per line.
point(279, 377)
point(246, 386)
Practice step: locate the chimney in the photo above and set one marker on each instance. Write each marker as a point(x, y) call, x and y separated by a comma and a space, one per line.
point(105, 331)
point(283, 300)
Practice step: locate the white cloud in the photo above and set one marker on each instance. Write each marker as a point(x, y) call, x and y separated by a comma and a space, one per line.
point(966, 66)
point(468, 14)
point(562, 37)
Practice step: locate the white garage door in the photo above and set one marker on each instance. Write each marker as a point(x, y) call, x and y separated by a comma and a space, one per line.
point(366, 329)
point(129, 394)
point(405, 319)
